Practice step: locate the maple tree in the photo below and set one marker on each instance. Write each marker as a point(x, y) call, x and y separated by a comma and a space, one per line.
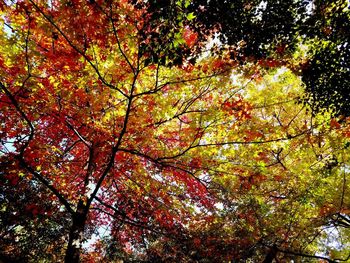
point(107, 123)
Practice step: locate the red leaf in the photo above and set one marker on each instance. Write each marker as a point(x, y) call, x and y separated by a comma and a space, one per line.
point(190, 37)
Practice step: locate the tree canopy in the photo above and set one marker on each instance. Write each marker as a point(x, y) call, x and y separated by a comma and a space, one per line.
point(174, 131)
point(270, 33)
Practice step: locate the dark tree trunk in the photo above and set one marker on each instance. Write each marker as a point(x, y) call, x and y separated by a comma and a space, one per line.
point(76, 235)
point(271, 255)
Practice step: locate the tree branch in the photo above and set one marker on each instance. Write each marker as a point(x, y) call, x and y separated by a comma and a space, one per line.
point(77, 49)
point(115, 148)
point(23, 115)
point(45, 182)
point(299, 254)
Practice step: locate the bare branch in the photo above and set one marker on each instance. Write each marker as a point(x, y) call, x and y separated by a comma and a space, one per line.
point(86, 142)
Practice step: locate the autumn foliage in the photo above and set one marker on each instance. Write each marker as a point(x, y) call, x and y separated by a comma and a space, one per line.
point(113, 148)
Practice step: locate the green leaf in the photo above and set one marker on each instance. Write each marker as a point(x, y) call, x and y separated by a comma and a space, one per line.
point(190, 16)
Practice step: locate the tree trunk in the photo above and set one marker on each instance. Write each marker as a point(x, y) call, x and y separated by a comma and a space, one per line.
point(271, 255)
point(76, 235)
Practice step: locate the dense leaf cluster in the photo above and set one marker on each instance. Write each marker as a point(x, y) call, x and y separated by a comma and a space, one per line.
point(31, 226)
point(255, 30)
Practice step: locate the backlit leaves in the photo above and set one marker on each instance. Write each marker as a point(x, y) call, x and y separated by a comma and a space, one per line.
point(105, 125)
